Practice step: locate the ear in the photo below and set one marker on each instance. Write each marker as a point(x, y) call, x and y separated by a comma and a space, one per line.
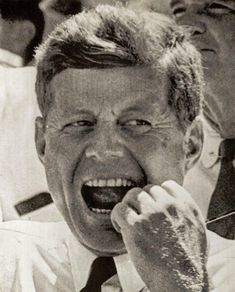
point(40, 138)
point(193, 142)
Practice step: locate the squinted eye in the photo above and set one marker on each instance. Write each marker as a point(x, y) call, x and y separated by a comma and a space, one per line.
point(178, 8)
point(218, 8)
point(179, 11)
point(136, 126)
point(136, 123)
point(80, 124)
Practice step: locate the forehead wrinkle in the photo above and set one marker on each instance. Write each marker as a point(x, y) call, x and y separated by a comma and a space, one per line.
point(87, 85)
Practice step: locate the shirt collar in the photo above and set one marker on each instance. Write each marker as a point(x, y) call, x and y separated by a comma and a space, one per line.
point(212, 140)
point(81, 260)
point(10, 59)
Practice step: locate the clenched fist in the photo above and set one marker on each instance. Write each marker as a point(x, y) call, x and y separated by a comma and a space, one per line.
point(164, 234)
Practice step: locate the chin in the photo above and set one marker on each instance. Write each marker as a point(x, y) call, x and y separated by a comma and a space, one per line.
point(104, 244)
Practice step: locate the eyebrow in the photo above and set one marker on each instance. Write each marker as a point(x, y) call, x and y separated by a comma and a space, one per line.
point(133, 108)
point(139, 108)
point(82, 111)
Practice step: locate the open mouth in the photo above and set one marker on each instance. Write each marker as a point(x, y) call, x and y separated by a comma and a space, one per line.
point(101, 195)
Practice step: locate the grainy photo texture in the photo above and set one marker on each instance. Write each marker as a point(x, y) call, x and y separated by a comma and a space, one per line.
point(117, 146)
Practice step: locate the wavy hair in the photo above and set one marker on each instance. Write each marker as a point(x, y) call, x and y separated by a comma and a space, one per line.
point(109, 37)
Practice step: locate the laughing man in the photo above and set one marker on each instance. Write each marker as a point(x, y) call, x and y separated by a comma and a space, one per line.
point(119, 93)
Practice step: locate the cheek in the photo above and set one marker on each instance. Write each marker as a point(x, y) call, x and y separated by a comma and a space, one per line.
point(62, 151)
point(163, 158)
point(61, 156)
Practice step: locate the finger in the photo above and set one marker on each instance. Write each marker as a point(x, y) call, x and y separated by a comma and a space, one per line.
point(159, 194)
point(185, 198)
point(140, 201)
point(147, 204)
point(163, 200)
point(176, 191)
point(122, 216)
point(131, 199)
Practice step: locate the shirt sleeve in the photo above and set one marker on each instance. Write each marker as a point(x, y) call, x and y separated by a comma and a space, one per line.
point(31, 262)
point(221, 263)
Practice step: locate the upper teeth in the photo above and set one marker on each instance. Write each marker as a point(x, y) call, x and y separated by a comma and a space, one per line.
point(113, 182)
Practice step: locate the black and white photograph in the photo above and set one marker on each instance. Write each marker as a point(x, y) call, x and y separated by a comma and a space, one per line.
point(117, 145)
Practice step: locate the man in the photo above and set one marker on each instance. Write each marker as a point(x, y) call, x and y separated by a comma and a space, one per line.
point(21, 30)
point(212, 26)
point(119, 93)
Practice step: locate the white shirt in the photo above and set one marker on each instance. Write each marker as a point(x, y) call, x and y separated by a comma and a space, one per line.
point(39, 257)
point(9, 59)
point(201, 180)
point(21, 174)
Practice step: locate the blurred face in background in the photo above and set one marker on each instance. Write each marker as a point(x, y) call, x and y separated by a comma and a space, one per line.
point(16, 35)
point(213, 32)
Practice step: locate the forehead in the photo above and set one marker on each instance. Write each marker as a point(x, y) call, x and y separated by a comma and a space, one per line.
point(104, 87)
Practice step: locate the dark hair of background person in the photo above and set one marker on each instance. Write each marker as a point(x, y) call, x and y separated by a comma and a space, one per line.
point(67, 7)
point(19, 10)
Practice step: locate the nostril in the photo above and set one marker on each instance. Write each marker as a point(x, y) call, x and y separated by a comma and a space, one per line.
point(195, 29)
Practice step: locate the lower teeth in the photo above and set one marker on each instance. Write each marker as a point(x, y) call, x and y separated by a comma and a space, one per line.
point(100, 211)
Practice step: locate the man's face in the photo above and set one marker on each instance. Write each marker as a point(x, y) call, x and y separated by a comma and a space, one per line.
point(108, 131)
point(214, 35)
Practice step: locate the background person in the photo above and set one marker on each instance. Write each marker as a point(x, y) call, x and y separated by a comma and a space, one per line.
point(56, 11)
point(212, 25)
point(21, 31)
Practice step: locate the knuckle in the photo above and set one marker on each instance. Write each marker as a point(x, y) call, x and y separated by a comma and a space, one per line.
point(118, 209)
point(132, 194)
point(172, 210)
point(169, 183)
point(148, 187)
point(156, 189)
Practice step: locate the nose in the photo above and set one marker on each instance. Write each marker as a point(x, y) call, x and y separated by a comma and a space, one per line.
point(105, 146)
point(193, 26)
point(192, 19)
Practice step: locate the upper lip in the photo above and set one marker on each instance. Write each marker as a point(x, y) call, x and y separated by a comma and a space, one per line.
point(205, 44)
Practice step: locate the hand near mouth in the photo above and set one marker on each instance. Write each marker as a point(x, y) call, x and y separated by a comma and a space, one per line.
point(164, 234)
